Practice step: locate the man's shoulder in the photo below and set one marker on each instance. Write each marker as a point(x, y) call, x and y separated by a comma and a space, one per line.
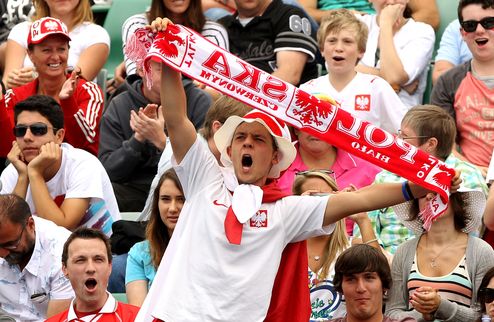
point(228, 18)
point(80, 160)
point(456, 73)
point(47, 228)
point(419, 27)
point(76, 154)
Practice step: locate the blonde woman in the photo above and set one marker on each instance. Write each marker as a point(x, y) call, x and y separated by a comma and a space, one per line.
point(88, 40)
point(323, 250)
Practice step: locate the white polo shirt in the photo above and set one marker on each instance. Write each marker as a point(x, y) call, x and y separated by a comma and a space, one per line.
point(203, 277)
point(42, 275)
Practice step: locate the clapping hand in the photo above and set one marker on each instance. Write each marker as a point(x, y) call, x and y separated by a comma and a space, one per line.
point(148, 124)
point(70, 84)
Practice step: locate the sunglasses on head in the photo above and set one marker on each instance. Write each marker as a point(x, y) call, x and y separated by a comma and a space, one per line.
point(37, 129)
point(486, 295)
point(325, 171)
point(471, 25)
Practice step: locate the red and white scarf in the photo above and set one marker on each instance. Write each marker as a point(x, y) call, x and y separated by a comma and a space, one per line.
point(189, 53)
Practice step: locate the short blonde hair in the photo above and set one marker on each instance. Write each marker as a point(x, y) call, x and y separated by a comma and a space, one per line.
point(342, 19)
point(83, 12)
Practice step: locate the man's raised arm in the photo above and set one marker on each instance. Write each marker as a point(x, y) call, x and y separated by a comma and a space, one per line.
point(180, 129)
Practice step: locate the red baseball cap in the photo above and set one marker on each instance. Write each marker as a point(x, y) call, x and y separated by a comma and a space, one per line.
point(44, 27)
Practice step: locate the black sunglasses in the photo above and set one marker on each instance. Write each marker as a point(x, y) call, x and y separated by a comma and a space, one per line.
point(471, 25)
point(486, 295)
point(37, 129)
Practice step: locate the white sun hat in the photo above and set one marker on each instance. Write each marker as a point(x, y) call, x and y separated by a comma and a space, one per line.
point(474, 202)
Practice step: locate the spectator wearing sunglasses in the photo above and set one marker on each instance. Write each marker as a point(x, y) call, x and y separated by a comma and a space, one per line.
point(466, 91)
point(66, 185)
point(486, 296)
point(33, 284)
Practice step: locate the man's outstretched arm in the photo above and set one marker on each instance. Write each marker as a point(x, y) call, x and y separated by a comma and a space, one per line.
point(376, 196)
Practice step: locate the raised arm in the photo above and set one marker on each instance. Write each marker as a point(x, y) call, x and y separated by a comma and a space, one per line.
point(88, 98)
point(180, 129)
point(392, 69)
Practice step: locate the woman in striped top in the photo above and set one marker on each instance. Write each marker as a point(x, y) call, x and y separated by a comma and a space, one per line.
point(436, 275)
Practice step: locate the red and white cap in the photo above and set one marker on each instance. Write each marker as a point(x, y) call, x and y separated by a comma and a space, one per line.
point(278, 129)
point(44, 27)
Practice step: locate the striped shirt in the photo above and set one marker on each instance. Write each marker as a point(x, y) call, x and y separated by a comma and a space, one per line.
point(455, 287)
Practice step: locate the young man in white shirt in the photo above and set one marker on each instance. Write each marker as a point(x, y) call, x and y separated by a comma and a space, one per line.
point(63, 184)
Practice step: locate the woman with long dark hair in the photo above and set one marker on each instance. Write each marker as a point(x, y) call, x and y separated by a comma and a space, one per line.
point(145, 257)
point(436, 275)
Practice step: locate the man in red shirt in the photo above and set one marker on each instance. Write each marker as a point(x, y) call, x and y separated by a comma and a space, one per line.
point(87, 263)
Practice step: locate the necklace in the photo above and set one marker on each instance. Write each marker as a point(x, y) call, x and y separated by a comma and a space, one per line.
point(433, 263)
point(316, 258)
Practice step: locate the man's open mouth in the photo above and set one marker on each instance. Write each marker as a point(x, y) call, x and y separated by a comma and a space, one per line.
point(481, 41)
point(246, 161)
point(91, 284)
